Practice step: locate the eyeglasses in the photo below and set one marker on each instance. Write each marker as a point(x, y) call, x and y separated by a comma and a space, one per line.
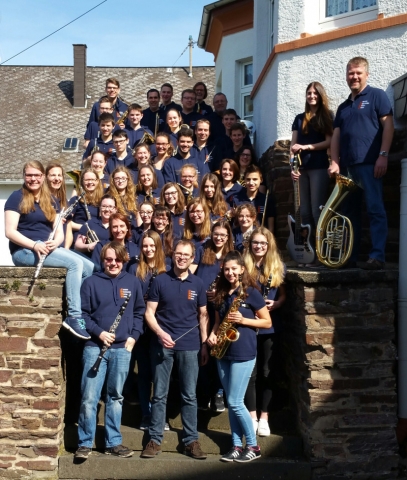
point(222, 236)
point(36, 176)
point(91, 180)
point(188, 177)
point(142, 213)
point(197, 212)
point(244, 216)
point(260, 244)
point(161, 144)
point(111, 260)
point(120, 179)
point(111, 88)
point(170, 194)
point(182, 255)
point(119, 141)
point(107, 207)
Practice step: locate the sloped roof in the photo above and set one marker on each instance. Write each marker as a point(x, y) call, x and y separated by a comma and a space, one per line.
point(36, 113)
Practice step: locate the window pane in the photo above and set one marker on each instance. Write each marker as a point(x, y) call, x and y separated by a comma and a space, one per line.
point(358, 4)
point(247, 107)
point(336, 7)
point(248, 74)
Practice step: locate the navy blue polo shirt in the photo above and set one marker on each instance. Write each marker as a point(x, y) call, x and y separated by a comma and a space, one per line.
point(360, 127)
point(105, 147)
point(172, 167)
point(246, 346)
point(310, 159)
point(217, 127)
point(177, 309)
point(230, 194)
point(178, 223)
point(209, 157)
point(204, 108)
point(149, 119)
point(113, 162)
point(93, 131)
point(79, 213)
point(276, 317)
point(118, 109)
point(258, 202)
point(238, 239)
point(105, 181)
point(96, 225)
point(191, 118)
point(154, 198)
point(33, 225)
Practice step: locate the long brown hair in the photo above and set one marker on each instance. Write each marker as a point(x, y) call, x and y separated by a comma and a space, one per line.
point(125, 203)
point(322, 120)
point(60, 194)
point(45, 199)
point(180, 205)
point(170, 148)
point(159, 259)
point(189, 228)
point(272, 262)
point(122, 218)
point(222, 286)
point(92, 198)
point(217, 205)
point(140, 186)
point(161, 210)
point(209, 255)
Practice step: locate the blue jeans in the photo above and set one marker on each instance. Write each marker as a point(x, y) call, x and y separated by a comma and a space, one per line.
point(162, 360)
point(113, 369)
point(78, 268)
point(372, 189)
point(235, 377)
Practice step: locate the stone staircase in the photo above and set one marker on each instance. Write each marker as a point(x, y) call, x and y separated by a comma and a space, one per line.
point(282, 452)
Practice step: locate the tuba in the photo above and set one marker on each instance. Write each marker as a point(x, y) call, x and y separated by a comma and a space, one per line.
point(334, 236)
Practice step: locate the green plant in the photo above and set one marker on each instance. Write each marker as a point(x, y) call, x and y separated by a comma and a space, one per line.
point(31, 299)
point(42, 285)
point(16, 285)
point(6, 287)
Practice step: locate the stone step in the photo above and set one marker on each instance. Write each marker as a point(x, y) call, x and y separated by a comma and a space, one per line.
point(212, 441)
point(172, 466)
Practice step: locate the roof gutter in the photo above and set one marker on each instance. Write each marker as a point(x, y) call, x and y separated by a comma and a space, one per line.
point(206, 19)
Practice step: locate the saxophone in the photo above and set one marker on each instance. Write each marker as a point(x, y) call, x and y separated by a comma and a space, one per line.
point(334, 236)
point(227, 333)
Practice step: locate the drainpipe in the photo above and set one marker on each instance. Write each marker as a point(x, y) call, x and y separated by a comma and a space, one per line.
point(402, 309)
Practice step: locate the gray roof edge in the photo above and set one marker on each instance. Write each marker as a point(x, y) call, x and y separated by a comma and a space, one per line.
point(206, 18)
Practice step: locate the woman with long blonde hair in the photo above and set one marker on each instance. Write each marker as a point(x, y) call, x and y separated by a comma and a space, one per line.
point(30, 215)
point(197, 222)
point(123, 190)
point(264, 264)
point(172, 197)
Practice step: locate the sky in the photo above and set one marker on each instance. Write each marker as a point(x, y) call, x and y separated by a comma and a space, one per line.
point(125, 33)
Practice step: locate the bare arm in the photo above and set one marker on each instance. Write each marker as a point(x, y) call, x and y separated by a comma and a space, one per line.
point(163, 337)
point(82, 246)
point(380, 168)
point(334, 167)
point(204, 327)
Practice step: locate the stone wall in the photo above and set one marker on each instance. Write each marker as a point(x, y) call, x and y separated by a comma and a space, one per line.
point(32, 388)
point(340, 342)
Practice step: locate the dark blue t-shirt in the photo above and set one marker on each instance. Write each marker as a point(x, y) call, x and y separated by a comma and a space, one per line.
point(178, 307)
point(310, 159)
point(230, 194)
point(258, 203)
point(245, 348)
point(360, 126)
point(33, 225)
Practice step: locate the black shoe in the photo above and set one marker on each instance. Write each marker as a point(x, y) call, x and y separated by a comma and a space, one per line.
point(82, 453)
point(218, 405)
point(372, 264)
point(232, 454)
point(119, 451)
point(248, 455)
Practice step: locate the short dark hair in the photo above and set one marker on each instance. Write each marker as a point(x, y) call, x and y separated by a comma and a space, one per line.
point(238, 126)
point(136, 106)
point(119, 249)
point(114, 81)
point(185, 131)
point(201, 84)
point(167, 85)
point(120, 133)
point(153, 90)
point(253, 169)
point(105, 117)
point(104, 99)
point(187, 90)
point(230, 111)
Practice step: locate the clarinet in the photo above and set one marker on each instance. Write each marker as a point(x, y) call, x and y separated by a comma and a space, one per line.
point(71, 208)
point(88, 215)
point(112, 329)
point(43, 256)
point(267, 287)
point(155, 273)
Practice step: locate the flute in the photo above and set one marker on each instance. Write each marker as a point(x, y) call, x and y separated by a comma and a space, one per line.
point(43, 255)
point(112, 329)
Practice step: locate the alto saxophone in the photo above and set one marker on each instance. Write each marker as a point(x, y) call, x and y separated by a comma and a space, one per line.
point(227, 333)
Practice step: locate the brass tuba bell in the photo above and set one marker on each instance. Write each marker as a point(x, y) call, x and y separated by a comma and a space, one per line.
point(334, 236)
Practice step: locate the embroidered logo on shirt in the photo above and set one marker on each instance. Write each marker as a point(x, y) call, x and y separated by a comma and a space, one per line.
point(260, 209)
point(363, 104)
point(192, 295)
point(181, 221)
point(123, 292)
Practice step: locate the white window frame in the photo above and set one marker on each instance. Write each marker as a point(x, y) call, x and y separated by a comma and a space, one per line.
point(245, 90)
point(346, 19)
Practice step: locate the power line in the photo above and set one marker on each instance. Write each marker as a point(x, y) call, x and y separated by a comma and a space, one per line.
point(191, 42)
point(36, 43)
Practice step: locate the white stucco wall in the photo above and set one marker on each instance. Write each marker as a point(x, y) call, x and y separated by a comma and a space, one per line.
point(282, 93)
point(234, 48)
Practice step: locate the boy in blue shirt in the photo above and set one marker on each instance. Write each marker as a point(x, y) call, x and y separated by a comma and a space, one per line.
point(103, 142)
point(102, 297)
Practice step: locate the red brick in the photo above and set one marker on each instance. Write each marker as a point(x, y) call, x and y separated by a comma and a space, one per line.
point(4, 465)
point(47, 450)
point(13, 344)
point(50, 423)
point(42, 465)
point(20, 380)
point(319, 338)
point(23, 331)
point(45, 405)
point(41, 363)
point(52, 329)
point(45, 343)
point(5, 375)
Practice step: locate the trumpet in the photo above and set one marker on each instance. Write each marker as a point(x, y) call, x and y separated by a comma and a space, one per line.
point(91, 236)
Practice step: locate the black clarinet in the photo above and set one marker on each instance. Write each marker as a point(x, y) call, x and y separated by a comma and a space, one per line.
point(71, 208)
point(155, 273)
point(112, 329)
point(267, 288)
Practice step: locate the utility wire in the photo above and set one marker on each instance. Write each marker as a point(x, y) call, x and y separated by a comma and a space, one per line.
point(185, 49)
point(36, 43)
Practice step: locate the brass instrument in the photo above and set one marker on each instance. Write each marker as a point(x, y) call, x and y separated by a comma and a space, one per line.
point(334, 236)
point(95, 147)
point(241, 180)
point(227, 333)
point(186, 192)
point(147, 138)
point(123, 118)
point(157, 123)
point(265, 207)
point(75, 175)
point(91, 236)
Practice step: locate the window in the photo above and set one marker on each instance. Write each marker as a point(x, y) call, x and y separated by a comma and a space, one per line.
point(246, 85)
point(342, 13)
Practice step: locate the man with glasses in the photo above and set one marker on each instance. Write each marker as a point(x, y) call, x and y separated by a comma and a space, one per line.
point(188, 100)
point(122, 156)
point(176, 313)
point(112, 92)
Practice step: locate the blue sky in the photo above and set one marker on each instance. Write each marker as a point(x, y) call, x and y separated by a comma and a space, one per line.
point(117, 33)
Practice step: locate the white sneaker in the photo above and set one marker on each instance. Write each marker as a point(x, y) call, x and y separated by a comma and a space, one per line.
point(264, 429)
point(255, 424)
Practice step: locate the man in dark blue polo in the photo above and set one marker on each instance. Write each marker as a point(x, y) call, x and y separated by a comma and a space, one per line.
point(176, 313)
point(112, 91)
point(122, 156)
point(189, 115)
point(152, 115)
point(363, 132)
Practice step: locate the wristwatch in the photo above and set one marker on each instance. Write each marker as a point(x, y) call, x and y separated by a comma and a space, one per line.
point(383, 153)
